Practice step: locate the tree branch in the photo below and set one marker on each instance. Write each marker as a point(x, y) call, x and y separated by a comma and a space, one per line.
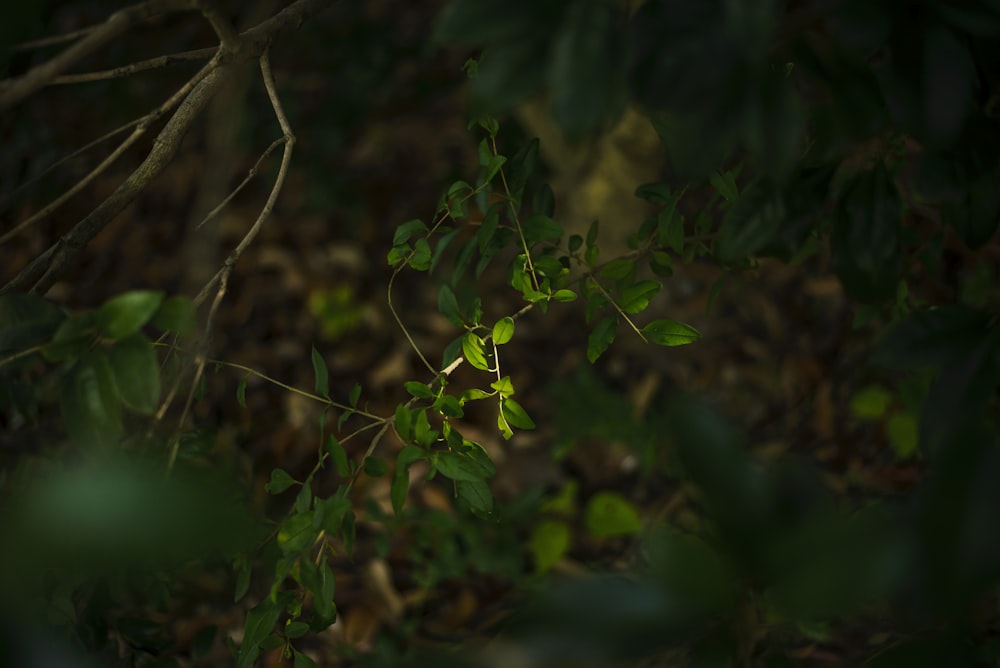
point(14, 91)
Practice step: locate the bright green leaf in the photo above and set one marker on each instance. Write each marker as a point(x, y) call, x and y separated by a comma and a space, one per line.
point(550, 540)
point(904, 434)
point(870, 403)
point(635, 298)
point(473, 350)
point(503, 330)
point(418, 389)
point(515, 415)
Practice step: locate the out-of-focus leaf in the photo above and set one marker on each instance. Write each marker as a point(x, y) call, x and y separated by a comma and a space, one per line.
point(27, 320)
point(137, 373)
point(610, 514)
point(750, 224)
point(123, 315)
point(550, 540)
point(89, 402)
point(476, 495)
point(176, 314)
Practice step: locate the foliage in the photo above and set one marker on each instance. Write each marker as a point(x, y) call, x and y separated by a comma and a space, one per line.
point(853, 131)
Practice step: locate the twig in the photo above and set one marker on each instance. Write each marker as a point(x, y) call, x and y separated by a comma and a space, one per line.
point(40, 274)
point(134, 68)
point(14, 91)
point(250, 174)
point(143, 124)
point(228, 37)
point(222, 277)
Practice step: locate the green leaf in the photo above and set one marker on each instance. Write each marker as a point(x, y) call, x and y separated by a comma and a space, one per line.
point(550, 541)
point(473, 394)
point(670, 333)
point(72, 338)
point(123, 315)
point(354, 395)
point(448, 305)
point(418, 389)
point(89, 402)
point(602, 337)
point(870, 403)
point(725, 184)
point(321, 374)
point(540, 228)
point(515, 415)
point(609, 514)
point(295, 630)
point(488, 228)
point(476, 495)
point(303, 500)
point(375, 467)
point(243, 573)
point(504, 386)
point(403, 422)
point(592, 231)
point(750, 224)
point(280, 481)
point(473, 350)
point(421, 258)
point(176, 314)
point(449, 406)
point(635, 298)
point(619, 269)
point(241, 393)
point(259, 624)
point(302, 660)
point(325, 606)
point(407, 230)
point(26, 321)
point(463, 467)
point(903, 434)
point(137, 374)
point(503, 330)
point(401, 478)
point(564, 295)
point(297, 533)
point(495, 163)
point(339, 456)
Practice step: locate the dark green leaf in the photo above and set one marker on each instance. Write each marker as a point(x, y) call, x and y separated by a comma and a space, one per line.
point(540, 228)
point(26, 321)
point(123, 315)
point(137, 374)
point(339, 456)
point(176, 314)
point(303, 500)
point(321, 374)
point(670, 333)
point(89, 402)
point(354, 395)
point(418, 389)
point(301, 659)
point(601, 337)
point(72, 338)
point(297, 533)
point(259, 624)
point(476, 495)
point(375, 467)
point(449, 406)
point(401, 478)
point(635, 298)
point(405, 231)
point(463, 467)
point(750, 224)
point(448, 305)
point(725, 184)
point(241, 393)
point(421, 258)
point(280, 481)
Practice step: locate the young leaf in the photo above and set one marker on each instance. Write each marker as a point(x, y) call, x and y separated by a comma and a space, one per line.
point(137, 374)
point(670, 333)
point(564, 295)
point(472, 349)
point(123, 315)
point(503, 330)
point(601, 337)
point(321, 373)
point(516, 415)
point(280, 481)
point(504, 386)
point(449, 406)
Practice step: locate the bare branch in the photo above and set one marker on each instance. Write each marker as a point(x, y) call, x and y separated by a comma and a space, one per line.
point(228, 37)
point(144, 124)
point(39, 276)
point(16, 90)
point(134, 68)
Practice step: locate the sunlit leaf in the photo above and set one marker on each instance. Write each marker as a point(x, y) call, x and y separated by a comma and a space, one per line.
point(550, 540)
point(503, 330)
point(609, 514)
point(670, 333)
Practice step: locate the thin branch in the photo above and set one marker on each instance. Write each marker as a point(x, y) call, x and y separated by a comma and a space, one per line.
point(144, 124)
point(45, 270)
point(15, 90)
point(134, 68)
point(289, 139)
point(55, 39)
point(222, 277)
point(236, 191)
